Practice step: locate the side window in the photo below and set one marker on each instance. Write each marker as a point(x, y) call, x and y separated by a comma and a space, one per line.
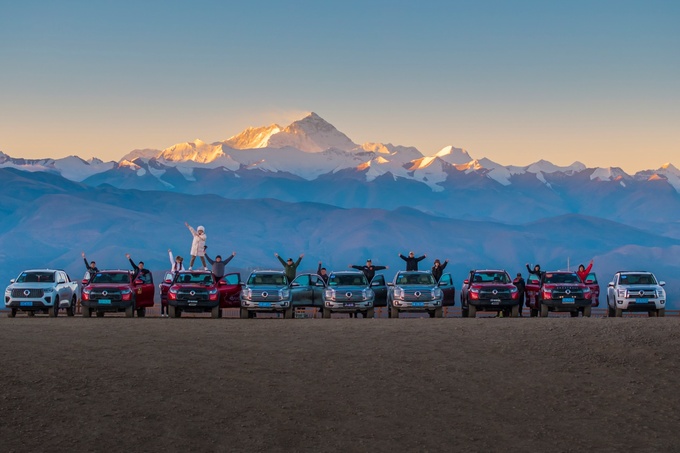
point(446, 280)
point(232, 279)
point(378, 280)
point(302, 280)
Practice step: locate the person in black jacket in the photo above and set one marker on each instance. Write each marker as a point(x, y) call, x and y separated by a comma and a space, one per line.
point(412, 261)
point(218, 264)
point(536, 271)
point(369, 269)
point(140, 271)
point(521, 288)
point(91, 268)
point(321, 272)
point(438, 269)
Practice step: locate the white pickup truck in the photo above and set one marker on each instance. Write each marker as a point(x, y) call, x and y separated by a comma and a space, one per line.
point(41, 291)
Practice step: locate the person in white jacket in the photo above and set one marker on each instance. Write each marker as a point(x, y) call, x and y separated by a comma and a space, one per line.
point(176, 263)
point(197, 245)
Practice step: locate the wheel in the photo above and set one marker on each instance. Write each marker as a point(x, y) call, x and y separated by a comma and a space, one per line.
point(439, 312)
point(220, 314)
point(71, 310)
point(141, 312)
point(251, 314)
point(465, 313)
point(288, 313)
point(574, 314)
point(431, 313)
point(54, 309)
point(100, 314)
point(130, 311)
point(243, 313)
point(394, 312)
point(514, 313)
point(533, 313)
point(587, 311)
point(652, 313)
point(172, 311)
point(661, 312)
point(326, 313)
point(472, 311)
point(544, 311)
point(618, 312)
point(12, 313)
point(30, 313)
point(370, 313)
point(610, 310)
point(215, 312)
point(87, 312)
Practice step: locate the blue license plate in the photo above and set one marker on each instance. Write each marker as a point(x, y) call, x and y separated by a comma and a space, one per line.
point(418, 304)
point(265, 304)
point(104, 301)
point(26, 304)
point(349, 305)
point(568, 300)
point(641, 301)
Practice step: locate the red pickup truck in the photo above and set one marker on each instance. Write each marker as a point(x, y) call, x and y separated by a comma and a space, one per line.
point(116, 291)
point(200, 292)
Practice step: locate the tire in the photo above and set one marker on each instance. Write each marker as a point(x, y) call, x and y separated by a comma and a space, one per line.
point(587, 311)
point(661, 312)
point(141, 312)
point(370, 313)
point(130, 311)
point(215, 312)
point(87, 313)
point(533, 313)
point(12, 313)
point(431, 313)
point(618, 312)
point(243, 314)
point(71, 310)
point(472, 311)
point(326, 313)
point(394, 312)
point(544, 311)
point(439, 312)
point(514, 313)
point(54, 309)
point(574, 314)
point(172, 311)
point(30, 314)
point(610, 310)
point(652, 313)
point(100, 314)
point(465, 313)
point(288, 313)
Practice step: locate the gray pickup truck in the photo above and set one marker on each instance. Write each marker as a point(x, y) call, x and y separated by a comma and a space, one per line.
point(266, 292)
point(41, 291)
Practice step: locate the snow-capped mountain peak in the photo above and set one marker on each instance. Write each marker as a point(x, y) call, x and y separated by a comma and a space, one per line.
point(311, 134)
point(455, 156)
point(196, 151)
point(253, 137)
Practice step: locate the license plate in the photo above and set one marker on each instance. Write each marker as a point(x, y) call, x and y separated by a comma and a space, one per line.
point(641, 301)
point(192, 302)
point(26, 304)
point(496, 300)
point(265, 304)
point(349, 305)
point(568, 300)
point(104, 301)
point(418, 304)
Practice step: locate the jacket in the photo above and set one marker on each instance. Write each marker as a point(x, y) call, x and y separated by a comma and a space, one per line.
point(174, 265)
point(411, 262)
point(198, 243)
point(290, 269)
point(584, 274)
point(369, 271)
point(438, 271)
point(218, 267)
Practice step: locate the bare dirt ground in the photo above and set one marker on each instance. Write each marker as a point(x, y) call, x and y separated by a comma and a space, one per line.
point(156, 384)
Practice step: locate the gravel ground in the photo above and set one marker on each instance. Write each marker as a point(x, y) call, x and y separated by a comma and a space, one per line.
point(556, 384)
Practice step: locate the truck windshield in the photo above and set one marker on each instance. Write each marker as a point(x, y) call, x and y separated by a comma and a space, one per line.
point(637, 279)
point(194, 278)
point(347, 280)
point(111, 277)
point(561, 278)
point(267, 279)
point(36, 277)
point(415, 279)
point(491, 277)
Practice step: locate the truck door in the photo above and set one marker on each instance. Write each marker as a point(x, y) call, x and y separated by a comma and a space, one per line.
point(446, 285)
point(318, 288)
point(380, 289)
point(144, 291)
point(301, 290)
point(230, 289)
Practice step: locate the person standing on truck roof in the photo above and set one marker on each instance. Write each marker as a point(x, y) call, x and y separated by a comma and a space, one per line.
point(438, 269)
point(176, 264)
point(321, 272)
point(139, 270)
point(197, 245)
point(218, 265)
point(369, 269)
point(412, 261)
point(290, 267)
point(91, 267)
point(583, 271)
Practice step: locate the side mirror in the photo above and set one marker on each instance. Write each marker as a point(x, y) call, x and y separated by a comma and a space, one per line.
point(11, 281)
point(390, 284)
point(375, 284)
point(662, 283)
point(466, 282)
point(589, 282)
point(320, 283)
point(611, 284)
point(167, 280)
point(294, 285)
point(139, 282)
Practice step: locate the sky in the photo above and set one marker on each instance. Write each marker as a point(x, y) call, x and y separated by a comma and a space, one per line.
point(594, 81)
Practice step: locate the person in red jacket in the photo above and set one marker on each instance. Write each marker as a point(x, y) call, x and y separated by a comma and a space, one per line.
point(583, 271)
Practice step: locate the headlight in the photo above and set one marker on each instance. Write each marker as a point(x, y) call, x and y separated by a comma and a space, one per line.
point(126, 291)
point(284, 293)
point(474, 290)
point(621, 292)
point(48, 290)
point(398, 293)
point(660, 293)
point(368, 294)
point(247, 293)
point(436, 293)
point(329, 294)
point(172, 290)
point(213, 291)
point(513, 289)
point(586, 290)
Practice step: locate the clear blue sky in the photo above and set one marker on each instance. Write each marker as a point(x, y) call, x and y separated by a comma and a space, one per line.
point(514, 81)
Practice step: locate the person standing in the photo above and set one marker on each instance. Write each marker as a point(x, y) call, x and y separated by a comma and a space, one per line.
point(176, 264)
point(412, 261)
point(438, 269)
point(139, 270)
point(321, 272)
point(197, 245)
point(369, 269)
point(521, 287)
point(583, 271)
point(290, 267)
point(218, 265)
point(91, 267)
point(536, 271)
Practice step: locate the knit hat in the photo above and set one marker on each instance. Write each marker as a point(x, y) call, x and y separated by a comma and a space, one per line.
point(200, 228)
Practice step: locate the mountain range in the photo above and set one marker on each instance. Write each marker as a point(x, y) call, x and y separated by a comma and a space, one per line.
point(308, 188)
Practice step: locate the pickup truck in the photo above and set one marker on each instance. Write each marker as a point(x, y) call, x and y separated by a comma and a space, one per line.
point(200, 292)
point(266, 292)
point(41, 291)
point(636, 291)
point(489, 290)
point(415, 291)
point(563, 291)
point(348, 292)
point(116, 291)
